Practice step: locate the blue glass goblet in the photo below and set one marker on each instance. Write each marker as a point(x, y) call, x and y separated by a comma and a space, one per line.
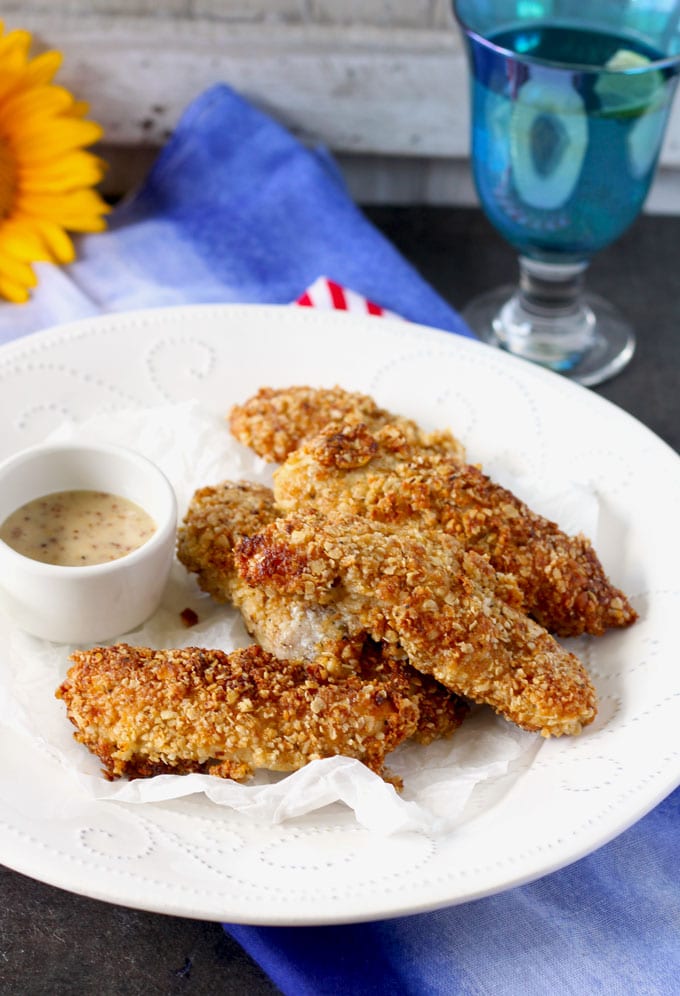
point(569, 106)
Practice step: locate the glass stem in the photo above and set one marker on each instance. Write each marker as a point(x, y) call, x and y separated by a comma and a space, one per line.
point(553, 320)
point(551, 288)
point(547, 319)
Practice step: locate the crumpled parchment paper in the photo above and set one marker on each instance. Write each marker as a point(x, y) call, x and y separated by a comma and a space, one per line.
point(194, 448)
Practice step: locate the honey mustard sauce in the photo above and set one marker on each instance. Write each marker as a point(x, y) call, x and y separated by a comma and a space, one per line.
point(77, 528)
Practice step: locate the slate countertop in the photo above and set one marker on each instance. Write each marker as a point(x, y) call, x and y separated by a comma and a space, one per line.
point(53, 943)
point(640, 274)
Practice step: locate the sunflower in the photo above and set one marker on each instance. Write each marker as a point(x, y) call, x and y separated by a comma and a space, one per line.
point(46, 177)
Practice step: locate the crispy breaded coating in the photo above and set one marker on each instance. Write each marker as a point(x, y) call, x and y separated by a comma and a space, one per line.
point(440, 712)
point(289, 626)
point(216, 519)
point(382, 475)
point(275, 421)
point(144, 712)
point(452, 614)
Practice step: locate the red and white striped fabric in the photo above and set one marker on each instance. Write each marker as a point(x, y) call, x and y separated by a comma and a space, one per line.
point(325, 293)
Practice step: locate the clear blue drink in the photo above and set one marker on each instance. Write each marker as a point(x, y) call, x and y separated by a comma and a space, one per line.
point(564, 154)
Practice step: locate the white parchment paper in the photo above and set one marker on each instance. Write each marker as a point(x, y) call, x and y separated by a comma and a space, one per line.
point(194, 449)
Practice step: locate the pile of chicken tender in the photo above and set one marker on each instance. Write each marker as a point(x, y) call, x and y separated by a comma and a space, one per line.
point(389, 587)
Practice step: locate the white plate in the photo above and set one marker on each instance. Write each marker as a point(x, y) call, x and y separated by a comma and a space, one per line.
point(191, 858)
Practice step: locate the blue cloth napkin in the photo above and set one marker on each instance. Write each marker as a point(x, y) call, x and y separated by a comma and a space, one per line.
point(608, 924)
point(235, 209)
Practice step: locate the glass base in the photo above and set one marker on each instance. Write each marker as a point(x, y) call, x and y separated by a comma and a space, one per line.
point(589, 345)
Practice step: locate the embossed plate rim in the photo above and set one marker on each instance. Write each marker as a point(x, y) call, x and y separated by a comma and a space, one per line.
point(456, 869)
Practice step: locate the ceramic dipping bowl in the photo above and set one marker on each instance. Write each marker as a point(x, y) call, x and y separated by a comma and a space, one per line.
point(99, 601)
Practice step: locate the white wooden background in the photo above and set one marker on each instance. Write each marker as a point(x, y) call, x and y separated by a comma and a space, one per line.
point(383, 83)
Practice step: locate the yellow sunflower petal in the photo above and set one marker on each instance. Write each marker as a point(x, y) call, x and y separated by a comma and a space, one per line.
point(10, 80)
point(80, 108)
point(34, 143)
point(69, 204)
point(17, 270)
point(85, 225)
point(42, 69)
point(37, 102)
point(23, 241)
point(58, 243)
point(12, 291)
point(14, 48)
point(60, 180)
point(72, 160)
point(53, 187)
point(47, 177)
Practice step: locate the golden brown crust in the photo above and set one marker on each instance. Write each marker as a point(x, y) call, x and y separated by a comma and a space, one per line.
point(217, 517)
point(448, 610)
point(146, 712)
point(275, 421)
point(289, 626)
point(440, 712)
point(380, 474)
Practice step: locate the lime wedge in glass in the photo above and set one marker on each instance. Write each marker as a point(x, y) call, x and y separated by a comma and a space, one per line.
point(625, 88)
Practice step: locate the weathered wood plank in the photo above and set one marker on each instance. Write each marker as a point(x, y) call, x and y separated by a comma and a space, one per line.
point(357, 90)
point(363, 90)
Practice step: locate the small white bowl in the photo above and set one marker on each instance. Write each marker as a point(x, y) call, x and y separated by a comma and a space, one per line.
point(99, 601)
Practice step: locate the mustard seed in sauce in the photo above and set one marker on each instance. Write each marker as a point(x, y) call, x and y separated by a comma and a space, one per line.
point(77, 528)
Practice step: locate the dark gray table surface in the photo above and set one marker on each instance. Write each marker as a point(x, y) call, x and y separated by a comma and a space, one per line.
point(53, 943)
point(461, 256)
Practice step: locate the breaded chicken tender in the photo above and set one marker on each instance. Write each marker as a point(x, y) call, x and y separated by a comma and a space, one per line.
point(290, 626)
point(440, 712)
point(275, 421)
point(450, 612)
point(381, 474)
point(145, 712)
point(217, 517)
